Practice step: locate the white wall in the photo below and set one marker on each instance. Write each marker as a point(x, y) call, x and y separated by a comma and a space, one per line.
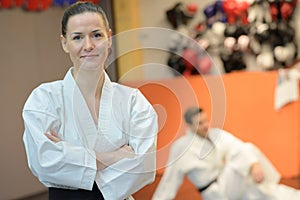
point(30, 53)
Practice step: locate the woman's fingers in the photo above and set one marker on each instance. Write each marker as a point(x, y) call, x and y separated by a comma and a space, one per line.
point(53, 136)
point(54, 133)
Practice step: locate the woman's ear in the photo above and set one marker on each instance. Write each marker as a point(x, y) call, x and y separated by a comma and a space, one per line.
point(64, 43)
point(109, 38)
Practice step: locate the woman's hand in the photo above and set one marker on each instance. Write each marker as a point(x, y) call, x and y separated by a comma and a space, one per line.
point(53, 136)
point(257, 173)
point(126, 151)
point(105, 159)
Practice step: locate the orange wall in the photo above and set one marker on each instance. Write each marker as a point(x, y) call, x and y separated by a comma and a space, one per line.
point(251, 116)
point(241, 103)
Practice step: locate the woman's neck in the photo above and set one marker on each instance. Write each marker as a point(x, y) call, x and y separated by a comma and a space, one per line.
point(90, 82)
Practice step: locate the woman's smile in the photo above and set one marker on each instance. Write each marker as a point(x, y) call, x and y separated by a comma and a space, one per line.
point(89, 56)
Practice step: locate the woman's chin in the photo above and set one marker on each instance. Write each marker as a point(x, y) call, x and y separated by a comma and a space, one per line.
point(91, 66)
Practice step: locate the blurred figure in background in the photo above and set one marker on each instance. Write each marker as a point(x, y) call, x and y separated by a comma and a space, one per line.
point(220, 165)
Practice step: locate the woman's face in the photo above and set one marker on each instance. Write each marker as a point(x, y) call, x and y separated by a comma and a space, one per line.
point(87, 41)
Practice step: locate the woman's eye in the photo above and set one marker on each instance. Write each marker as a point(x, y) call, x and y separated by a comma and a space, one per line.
point(98, 35)
point(76, 37)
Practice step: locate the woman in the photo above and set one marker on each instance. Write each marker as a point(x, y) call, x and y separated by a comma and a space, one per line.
point(86, 137)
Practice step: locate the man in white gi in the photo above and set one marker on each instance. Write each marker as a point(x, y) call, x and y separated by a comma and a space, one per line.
point(220, 165)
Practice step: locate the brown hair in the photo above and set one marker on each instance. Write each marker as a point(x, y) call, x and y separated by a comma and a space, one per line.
point(79, 8)
point(190, 113)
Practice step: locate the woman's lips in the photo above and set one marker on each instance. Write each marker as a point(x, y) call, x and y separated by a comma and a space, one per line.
point(88, 56)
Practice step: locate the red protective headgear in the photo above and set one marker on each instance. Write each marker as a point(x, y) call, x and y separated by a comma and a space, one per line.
point(190, 58)
point(19, 3)
point(236, 10)
point(204, 65)
point(6, 3)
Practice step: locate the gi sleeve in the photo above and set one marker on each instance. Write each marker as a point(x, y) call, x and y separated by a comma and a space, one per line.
point(172, 177)
point(237, 154)
point(59, 164)
point(127, 176)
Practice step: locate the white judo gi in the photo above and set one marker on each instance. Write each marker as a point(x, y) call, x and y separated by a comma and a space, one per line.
point(125, 117)
point(225, 158)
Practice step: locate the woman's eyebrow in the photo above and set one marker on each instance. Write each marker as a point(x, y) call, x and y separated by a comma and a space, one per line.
point(76, 33)
point(97, 30)
point(94, 31)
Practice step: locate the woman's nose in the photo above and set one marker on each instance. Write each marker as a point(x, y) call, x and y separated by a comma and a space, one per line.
point(88, 45)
